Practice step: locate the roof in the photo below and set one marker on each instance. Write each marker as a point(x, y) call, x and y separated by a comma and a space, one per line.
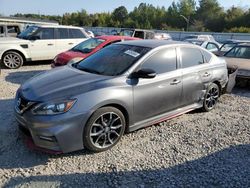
point(152, 43)
point(60, 26)
point(26, 20)
point(231, 41)
point(244, 44)
point(116, 37)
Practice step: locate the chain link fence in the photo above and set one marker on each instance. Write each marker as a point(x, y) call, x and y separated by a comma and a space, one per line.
point(179, 35)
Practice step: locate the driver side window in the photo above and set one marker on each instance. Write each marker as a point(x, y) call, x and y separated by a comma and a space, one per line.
point(162, 61)
point(45, 34)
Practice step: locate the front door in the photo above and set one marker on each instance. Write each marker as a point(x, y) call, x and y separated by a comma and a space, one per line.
point(42, 45)
point(160, 94)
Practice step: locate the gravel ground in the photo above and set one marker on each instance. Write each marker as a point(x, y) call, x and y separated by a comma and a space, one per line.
point(193, 150)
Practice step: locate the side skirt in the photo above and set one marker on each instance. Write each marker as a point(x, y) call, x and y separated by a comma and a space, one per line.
point(163, 117)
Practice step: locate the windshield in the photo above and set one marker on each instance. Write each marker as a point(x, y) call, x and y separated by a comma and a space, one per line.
point(239, 52)
point(128, 33)
point(112, 60)
point(88, 45)
point(27, 32)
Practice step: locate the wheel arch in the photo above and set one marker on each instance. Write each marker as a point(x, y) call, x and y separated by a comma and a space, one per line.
point(17, 51)
point(123, 111)
point(219, 85)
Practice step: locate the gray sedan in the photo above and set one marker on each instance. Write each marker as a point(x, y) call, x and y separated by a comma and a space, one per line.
point(123, 87)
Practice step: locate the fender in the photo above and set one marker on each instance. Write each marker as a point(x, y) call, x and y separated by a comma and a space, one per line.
point(15, 47)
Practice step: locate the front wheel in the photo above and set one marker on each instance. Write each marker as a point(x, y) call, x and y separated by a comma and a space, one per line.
point(12, 60)
point(104, 129)
point(211, 97)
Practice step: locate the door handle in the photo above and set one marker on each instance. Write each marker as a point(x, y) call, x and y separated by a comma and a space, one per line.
point(50, 44)
point(206, 74)
point(175, 82)
point(70, 43)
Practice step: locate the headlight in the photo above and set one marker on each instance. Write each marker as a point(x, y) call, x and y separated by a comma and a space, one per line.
point(53, 108)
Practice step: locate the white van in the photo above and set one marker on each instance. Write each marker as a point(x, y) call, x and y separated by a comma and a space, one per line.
point(39, 43)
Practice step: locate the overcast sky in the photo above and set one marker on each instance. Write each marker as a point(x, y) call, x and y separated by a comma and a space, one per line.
point(58, 7)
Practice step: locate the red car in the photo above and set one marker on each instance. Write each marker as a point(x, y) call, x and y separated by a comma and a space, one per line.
point(87, 48)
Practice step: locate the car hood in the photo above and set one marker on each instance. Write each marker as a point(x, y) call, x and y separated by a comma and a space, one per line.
point(242, 64)
point(62, 82)
point(12, 40)
point(65, 57)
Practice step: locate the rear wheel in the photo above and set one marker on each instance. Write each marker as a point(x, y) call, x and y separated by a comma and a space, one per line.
point(12, 60)
point(104, 129)
point(211, 97)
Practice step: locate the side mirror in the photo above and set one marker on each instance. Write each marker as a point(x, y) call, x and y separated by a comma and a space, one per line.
point(143, 73)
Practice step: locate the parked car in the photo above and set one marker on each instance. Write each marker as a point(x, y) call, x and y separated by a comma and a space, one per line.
point(125, 86)
point(239, 56)
point(199, 37)
point(162, 36)
point(211, 46)
point(90, 34)
point(138, 33)
point(10, 30)
point(39, 43)
point(99, 33)
point(228, 45)
point(87, 48)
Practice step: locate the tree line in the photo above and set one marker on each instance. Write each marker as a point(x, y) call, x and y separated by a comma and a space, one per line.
point(206, 15)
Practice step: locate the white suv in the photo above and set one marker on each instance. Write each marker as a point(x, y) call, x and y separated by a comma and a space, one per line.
point(39, 43)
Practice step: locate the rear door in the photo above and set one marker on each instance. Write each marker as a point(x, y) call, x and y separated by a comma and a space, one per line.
point(162, 93)
point(196, 73)
point(67, 38)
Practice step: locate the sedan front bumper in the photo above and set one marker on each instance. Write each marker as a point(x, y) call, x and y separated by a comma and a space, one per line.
point(58, 132)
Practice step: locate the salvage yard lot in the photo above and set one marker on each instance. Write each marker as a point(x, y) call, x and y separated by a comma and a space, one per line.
point(195, 149)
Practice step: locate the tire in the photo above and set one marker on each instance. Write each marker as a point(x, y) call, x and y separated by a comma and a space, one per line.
point(12, 60)
point(211, 97)
point(104, 129)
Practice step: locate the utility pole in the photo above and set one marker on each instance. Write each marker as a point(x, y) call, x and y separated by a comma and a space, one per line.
point(187, 20)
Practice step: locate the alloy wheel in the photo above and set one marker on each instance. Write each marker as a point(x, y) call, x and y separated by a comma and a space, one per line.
point(12, 60)
point(106, 130)
point(212, 97)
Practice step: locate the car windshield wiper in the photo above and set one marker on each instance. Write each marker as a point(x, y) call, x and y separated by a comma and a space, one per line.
point(88, 70)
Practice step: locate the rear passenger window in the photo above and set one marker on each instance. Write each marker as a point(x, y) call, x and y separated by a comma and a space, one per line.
point(207, 56)
point(191, 57)
point(76, 33)
point(162, 61)
point(63, 33)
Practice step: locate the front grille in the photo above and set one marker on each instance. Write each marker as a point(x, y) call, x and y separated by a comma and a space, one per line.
point(23, 104)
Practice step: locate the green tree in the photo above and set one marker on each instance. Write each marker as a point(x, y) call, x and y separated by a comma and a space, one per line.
point(119, 15)
point(211, 14)
point(234, 17)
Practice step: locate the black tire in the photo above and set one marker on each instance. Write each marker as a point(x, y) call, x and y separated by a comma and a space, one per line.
point(211, 97)
point(104, 129)
point(12, 60)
